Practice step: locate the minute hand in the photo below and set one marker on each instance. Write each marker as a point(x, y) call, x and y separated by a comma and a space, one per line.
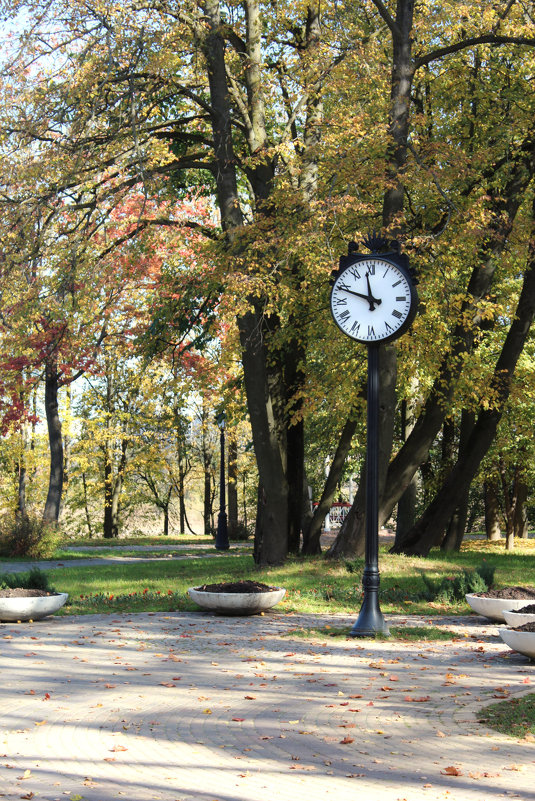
point(371, 300)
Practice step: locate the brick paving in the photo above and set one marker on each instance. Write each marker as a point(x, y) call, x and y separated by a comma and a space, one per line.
point(194, 707)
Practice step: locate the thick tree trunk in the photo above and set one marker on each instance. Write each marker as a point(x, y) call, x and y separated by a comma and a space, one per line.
point(429, 530)
point(406, 513)
point(271, 536)
point(271, 532)
point(457, 525)
point(312, 534)
point(520, 520)
point(492, 510)
point(55, 482)
point(350, 541)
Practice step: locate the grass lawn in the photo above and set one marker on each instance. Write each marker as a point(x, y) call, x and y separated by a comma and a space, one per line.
point(515, 717)
point(313, 584)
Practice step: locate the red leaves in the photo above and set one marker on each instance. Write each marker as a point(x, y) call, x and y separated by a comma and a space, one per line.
point(420, 700)
point(347, 740)
point(451, 770)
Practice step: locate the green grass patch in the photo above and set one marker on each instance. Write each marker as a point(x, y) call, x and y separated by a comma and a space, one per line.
point(404, 633)
point(514, 717)
point(314, 585)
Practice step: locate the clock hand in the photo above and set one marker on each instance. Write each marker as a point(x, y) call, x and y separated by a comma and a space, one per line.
point(358, 294)
point(370, 298)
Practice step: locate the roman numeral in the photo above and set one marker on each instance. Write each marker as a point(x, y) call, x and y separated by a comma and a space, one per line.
point(371, 268)
point(345, 315)
point(340, 302)
point(355, 327)
point(397, 314)
point(371, 332)
point(397, 283)
point(354, 272)
point(401, 298)
point(389, 328)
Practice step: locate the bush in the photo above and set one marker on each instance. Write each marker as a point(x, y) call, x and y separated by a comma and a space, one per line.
point(34, 579)
point(28, 536)
point(354, 565)
point(455, 588)
point(239, 532)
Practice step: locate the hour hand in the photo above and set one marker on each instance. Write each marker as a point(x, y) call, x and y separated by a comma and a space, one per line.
point(370, 298)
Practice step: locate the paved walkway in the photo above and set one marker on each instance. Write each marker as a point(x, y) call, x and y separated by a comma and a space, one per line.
point(193, 707)
point(171, 552)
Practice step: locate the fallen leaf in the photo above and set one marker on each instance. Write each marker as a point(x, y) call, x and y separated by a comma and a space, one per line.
point(451, 770)
point(414, 700)
point(347, 740)
point(118, 748)
point(238, 720)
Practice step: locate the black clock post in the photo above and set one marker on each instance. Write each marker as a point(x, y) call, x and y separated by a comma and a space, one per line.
point(373, 300)
point(370, 620)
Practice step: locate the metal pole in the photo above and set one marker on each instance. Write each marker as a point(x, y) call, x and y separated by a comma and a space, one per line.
point(221, 538)
point(370, 620)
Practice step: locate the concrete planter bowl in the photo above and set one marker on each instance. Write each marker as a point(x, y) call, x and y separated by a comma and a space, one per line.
point(493, 608)
point(236, 603)
point(521, 641)
point(515, 619)
point(21, 608)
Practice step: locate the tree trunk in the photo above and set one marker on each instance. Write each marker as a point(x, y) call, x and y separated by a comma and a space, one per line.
point(181, 497)
point(350, 541)
point(312, 534)
point(271, 531)
point(108, 495)
point(406, 515)
point(520, 520)
point(22, 474)
point(55, 482)
point(457, 525)
point(492, 510)
point(429, 529)
point(86, 507)
point(207, 499)
point(232, 484)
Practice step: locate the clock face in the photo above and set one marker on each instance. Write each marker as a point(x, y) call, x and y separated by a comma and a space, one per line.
point(373, 300)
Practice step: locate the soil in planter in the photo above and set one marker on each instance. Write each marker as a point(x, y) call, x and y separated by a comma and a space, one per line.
point(238, 586)
point(526, 610)
point(20, 592)
point(525, 627)
point(508, 593)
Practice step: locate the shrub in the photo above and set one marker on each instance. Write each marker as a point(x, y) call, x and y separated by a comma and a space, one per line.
point(239, 532)
point(34, 579)
point(28, 536)
point(354, 565)
point(455, 588)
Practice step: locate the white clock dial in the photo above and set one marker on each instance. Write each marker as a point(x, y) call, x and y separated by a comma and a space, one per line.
point(373, 300)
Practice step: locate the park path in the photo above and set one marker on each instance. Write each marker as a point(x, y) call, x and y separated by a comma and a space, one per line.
point(194, 707)
point(168, 553)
